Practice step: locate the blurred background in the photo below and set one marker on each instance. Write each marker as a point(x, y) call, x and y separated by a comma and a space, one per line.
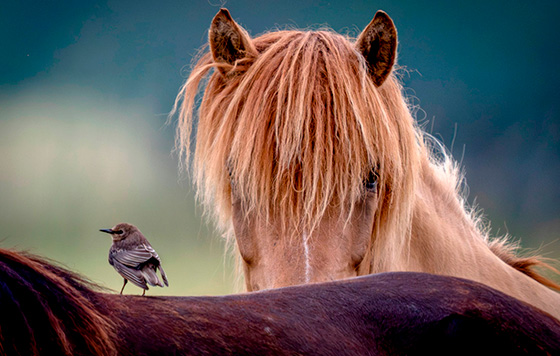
point(86, 86)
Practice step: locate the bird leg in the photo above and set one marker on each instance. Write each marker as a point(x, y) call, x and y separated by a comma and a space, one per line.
point(125, 280)
point(144, 292)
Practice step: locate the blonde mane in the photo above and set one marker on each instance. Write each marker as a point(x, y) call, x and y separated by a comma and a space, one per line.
point(261, 131)
point(298, 128)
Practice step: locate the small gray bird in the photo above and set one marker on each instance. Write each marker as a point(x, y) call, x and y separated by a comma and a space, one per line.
point(134, 258)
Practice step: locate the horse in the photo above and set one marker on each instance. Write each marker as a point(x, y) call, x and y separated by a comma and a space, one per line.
point(47, 310)
point(304, 151)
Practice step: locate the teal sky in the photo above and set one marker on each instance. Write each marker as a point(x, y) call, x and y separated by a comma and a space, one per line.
point(85, 87)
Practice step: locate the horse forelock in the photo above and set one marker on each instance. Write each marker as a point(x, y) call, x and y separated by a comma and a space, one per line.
point(298, 129)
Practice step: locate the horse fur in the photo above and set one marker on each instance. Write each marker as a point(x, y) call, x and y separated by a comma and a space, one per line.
point(287, 134)
point(48, 310)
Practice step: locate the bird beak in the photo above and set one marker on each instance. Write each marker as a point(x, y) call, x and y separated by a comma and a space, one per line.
point(109, 231)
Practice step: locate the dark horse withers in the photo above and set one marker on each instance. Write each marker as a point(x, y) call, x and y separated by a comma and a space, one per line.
point(47, 310)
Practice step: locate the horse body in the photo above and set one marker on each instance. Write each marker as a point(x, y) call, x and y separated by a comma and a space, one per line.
point(45, 309)
point(386, 314)
point(310, 161)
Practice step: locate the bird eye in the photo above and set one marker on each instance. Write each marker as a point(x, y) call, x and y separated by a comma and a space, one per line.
point(119, 232)
point(371, 182)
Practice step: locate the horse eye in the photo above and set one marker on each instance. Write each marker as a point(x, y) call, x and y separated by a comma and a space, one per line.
point(371, 181)
point(230, 175)
point(229, 170)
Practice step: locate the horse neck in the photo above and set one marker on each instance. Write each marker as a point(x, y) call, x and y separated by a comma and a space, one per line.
point(441, 227)
point(446, 239)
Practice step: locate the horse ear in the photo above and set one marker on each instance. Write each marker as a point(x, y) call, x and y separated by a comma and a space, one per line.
point(229, 42)
point(378, 44)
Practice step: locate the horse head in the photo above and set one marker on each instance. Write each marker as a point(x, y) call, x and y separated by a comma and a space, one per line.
point(302, 148)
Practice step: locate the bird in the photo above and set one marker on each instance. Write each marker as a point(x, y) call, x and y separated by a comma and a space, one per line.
point(134, 258)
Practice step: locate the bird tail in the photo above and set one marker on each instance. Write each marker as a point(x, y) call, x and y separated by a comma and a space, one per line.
point(163, 275)
point(149, 273)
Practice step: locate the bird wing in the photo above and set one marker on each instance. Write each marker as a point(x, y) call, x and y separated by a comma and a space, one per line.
point(135, 257)
point(155, 255)
point(133, 275)
point(152, 251)
point(137, 262)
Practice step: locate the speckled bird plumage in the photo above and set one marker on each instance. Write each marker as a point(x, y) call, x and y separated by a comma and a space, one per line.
point(134, 258)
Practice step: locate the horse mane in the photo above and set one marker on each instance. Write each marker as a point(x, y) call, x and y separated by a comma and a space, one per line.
point(56, 318)
point(507, 251)
point(503, 247)
point(257, 132)
point(244, 120)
